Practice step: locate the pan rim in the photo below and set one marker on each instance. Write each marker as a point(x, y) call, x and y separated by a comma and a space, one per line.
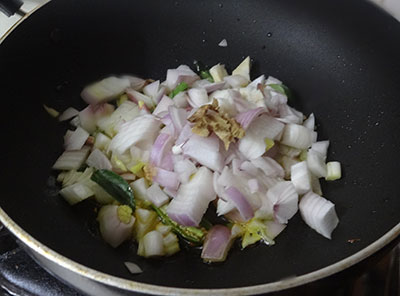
point(134, 286)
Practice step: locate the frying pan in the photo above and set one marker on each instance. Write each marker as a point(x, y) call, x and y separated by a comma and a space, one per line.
point(341, 59)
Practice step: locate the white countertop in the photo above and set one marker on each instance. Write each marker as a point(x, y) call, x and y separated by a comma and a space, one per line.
point(392, 6)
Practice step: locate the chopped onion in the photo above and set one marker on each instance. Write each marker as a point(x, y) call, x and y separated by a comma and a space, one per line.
point(104, 90)
point(224, 207)
point(284, 198)
point(197, 97)
point(76, 139)
point(181, 74)
point(162, 106)
point(125, 112)
point(139, 188)
point(253, 145)
point(192, 199)
point(142, 130)
point(112, 229)
point(133, 267)
point(223, 43)
point(68, 114)
point(334, 171)
point(319, 214)
point(217, 244)
point(321, 147)
point(76, 193)
point(208, 86)
point(71, 160)
point(178, 118)
point(184, 168)
point(310, 122)
point(243, 69)
point(316, 163)
point(274, 228)
point(153, 244)
point(269, 166)
point(156, 195)
point(226, 100)
point(236, 81)
point(300, 177)
point(99, 160)
point(161, 146)
point(166, 178)
point(247, 117)
point(218, 72)
point(240, 202)
point(205, 151)
point(296, 136)
point(138, 97)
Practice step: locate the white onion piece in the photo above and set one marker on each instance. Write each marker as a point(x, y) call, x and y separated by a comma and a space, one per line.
point(254, 185)
point(319, 214)
point(133, 267)
point(296, 136)
point(321, 147)
point(135, 82)
point(316, 185)
point(112, 229)
point(161, 146)
point(89, 116)
point(137, 97)
point(274, 228)
point(223, 43)
point(208, 86)
point(239, 200)
point(197, 97)
point(156, 195)
point(98, 160)
point(218, 72)
point(300, 177)
point(153, 244)
point(316, 163)
point(68, 114)
point(140, 131)
point(284, 199)
point(181, 74)
point(260, 80)
point(76, 193)
point(151, 90)
point(252, 145)
point(184, 168)
point(185, 134)
point(181, 100)
point(76, 139)
point(224, 207)
point(243, 69)
point(71, 160)
point(166, 178)
point(269, 166)
point(112, 123)
point(249, 168)
point(334, 171)
point(192, 200)
point(217, 244)
point(236, 81)
point(226, 100)
point(205, 151)
point(288, 114)
point(162, 106)
point(247, 117)
point(178, 117)
point(139, 188)
point(104, 90)
point(310, 122)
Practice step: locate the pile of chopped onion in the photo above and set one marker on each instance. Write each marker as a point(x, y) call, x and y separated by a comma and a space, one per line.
point(190, 141)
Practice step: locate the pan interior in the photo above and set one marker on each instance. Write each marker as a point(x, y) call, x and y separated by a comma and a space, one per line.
point(340, 58)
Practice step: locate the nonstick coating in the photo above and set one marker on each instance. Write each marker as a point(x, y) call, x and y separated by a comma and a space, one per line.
point(341, 59)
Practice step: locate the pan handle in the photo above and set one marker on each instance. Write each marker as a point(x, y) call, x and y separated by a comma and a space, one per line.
point(10, 7)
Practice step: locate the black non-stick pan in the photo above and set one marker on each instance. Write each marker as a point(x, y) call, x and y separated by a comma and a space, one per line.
point(341, 59)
